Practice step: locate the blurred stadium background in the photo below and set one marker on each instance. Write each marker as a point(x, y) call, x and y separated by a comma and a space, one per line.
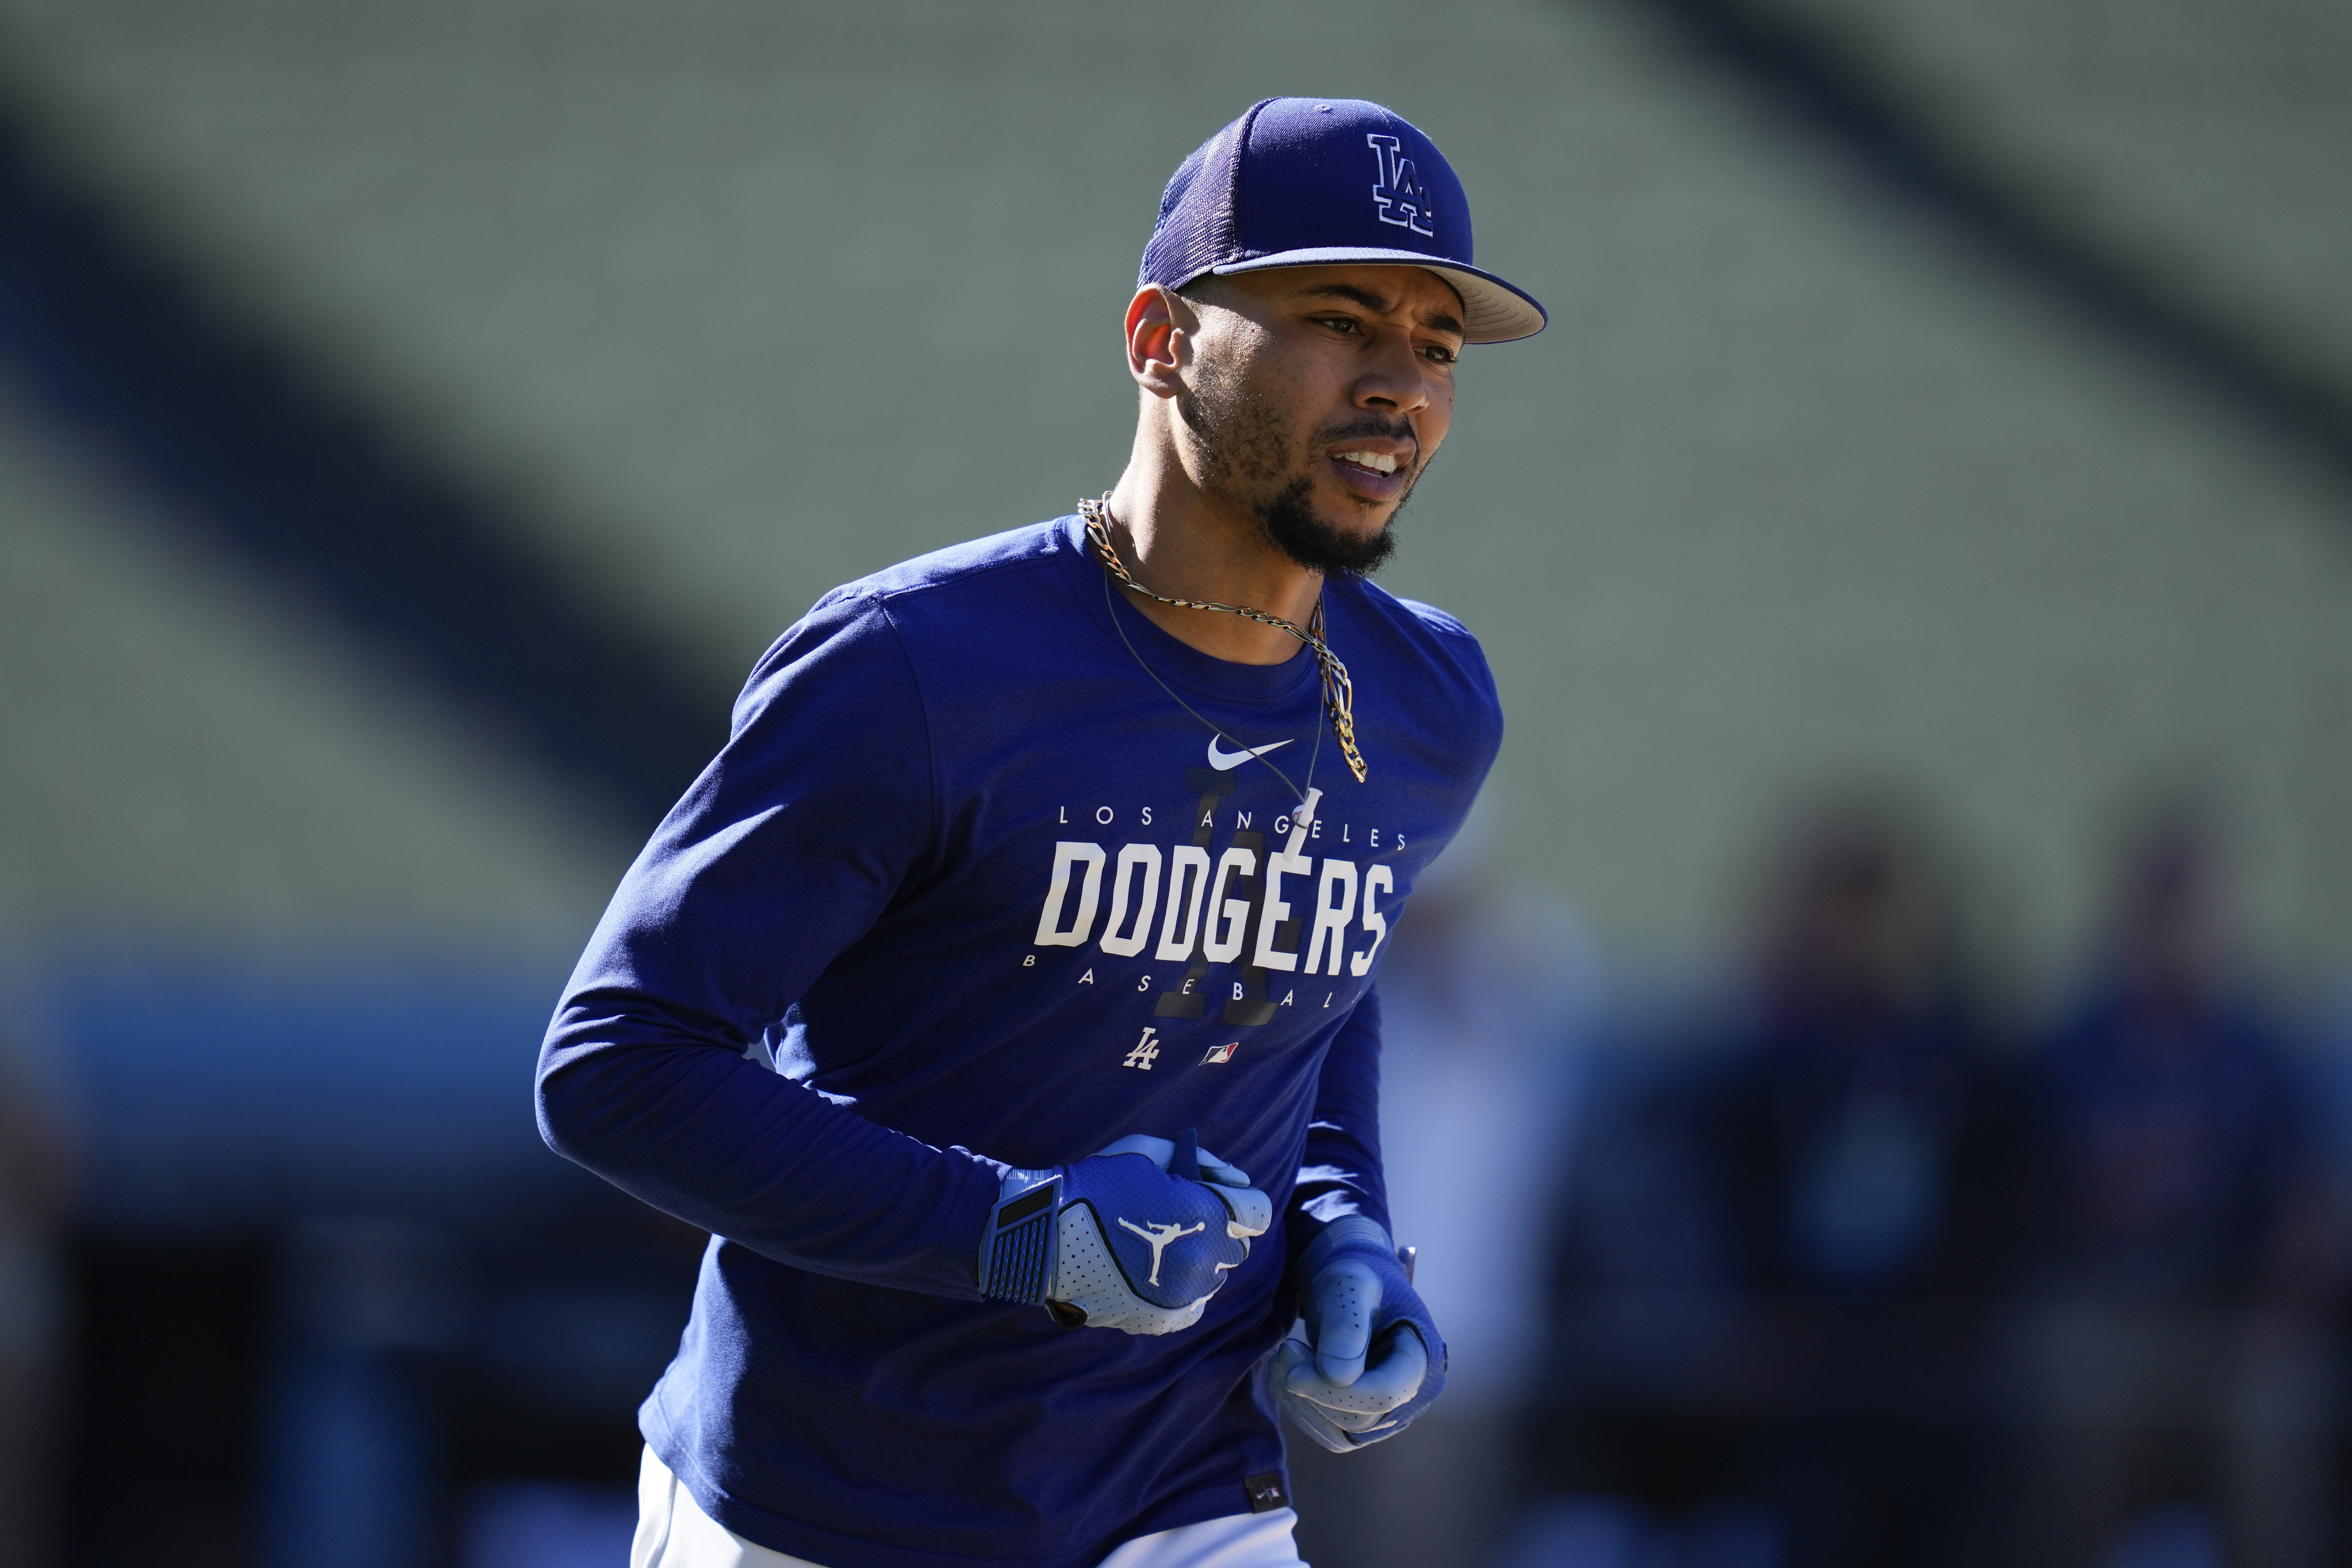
point(1932, 500)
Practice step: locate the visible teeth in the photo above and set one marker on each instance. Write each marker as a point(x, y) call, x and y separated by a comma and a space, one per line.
point(1377, 461)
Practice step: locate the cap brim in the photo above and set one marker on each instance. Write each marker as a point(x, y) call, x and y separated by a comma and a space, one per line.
point(1494, 312)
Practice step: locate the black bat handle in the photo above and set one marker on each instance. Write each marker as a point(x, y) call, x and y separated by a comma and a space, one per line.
point(1186, 1161)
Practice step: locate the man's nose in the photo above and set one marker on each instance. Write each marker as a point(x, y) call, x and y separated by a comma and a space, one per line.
point(1400, 380)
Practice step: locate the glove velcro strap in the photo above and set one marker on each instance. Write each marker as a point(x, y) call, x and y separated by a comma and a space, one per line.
point(1016, 1253)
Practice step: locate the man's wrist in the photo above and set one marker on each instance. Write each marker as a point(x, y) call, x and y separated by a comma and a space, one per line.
point(1019, 1245)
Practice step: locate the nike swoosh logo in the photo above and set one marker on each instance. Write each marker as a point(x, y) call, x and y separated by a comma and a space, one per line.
point(1225, 762)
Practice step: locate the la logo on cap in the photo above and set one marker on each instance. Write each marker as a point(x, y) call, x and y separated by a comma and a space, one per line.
point(1396, 187)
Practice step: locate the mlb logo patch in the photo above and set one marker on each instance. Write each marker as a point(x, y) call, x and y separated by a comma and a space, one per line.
point(1224, 1053)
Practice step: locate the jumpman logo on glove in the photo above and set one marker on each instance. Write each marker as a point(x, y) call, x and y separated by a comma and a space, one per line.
point(1052, 1239)
point(1157, 1236)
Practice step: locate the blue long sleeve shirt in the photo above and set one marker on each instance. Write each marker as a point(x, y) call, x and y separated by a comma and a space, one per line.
point(968, 887)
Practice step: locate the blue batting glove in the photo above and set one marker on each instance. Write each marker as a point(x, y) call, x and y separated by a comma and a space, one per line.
point(1372, 1359)
point(1136, 1237)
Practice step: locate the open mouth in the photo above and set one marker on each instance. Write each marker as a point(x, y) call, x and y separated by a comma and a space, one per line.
point(1371, 473)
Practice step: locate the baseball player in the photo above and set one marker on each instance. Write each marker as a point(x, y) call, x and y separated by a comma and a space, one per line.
point(1001, 996)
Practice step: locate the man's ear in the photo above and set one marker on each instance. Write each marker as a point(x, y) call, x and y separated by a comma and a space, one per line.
point(1161, 326)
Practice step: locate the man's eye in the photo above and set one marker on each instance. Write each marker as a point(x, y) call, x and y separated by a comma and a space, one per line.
point(1340, 323)
point(1441, 354)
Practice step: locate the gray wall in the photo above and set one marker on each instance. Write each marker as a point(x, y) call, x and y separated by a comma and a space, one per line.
point(743, 300)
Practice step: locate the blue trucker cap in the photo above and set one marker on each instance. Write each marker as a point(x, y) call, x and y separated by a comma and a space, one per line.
point(1317, 181)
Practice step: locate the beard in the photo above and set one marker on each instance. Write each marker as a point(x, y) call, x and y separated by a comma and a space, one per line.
point(1249, 461)
point(1289, 520)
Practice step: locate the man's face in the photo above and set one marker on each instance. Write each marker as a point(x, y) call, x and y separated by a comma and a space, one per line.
point(1317, 398)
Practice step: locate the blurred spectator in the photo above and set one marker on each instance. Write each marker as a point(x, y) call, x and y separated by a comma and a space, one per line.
point(1782, 1248)
point(2178, 1354)
point(33, 1192)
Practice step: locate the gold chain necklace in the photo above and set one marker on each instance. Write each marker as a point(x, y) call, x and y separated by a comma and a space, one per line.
point(1338, 691)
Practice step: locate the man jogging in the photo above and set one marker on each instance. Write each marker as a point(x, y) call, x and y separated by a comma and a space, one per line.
point(1033, 872)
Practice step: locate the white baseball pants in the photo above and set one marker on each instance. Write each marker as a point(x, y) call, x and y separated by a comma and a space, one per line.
point(673, 1533)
